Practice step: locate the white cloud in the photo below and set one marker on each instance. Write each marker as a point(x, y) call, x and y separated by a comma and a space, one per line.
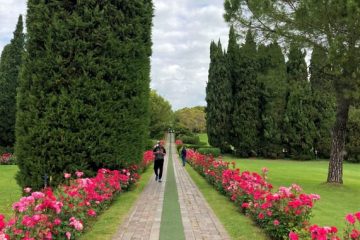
point(9, 13)
point(182, 32)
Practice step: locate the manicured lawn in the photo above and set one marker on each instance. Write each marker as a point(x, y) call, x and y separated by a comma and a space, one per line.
point(107, 224)
point(9, 190)
point(335, 202)
point(203, 138)
point(237, 225)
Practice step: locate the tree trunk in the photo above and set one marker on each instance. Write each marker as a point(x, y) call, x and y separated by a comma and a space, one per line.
point(338, 142)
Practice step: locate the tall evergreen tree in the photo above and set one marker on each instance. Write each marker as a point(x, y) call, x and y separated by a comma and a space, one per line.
point(324, 101)
point(218, 97)
point(10, 64)
point(245, 117)
point(299, 130)
point(273, 86)
point(84, 89)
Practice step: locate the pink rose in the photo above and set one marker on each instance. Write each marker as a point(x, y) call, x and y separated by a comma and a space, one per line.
point(276, 222)
point(68, 235)
point(350, 218)
point(27, 190)
point(79, 174)
point(67, 175)
point(293, 236)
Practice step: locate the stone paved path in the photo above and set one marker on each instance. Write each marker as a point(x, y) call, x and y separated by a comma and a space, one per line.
point(198, 219)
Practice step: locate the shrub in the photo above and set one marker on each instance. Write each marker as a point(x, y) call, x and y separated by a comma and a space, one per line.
point(209, 151)
point(7, 159)
point(190, 139)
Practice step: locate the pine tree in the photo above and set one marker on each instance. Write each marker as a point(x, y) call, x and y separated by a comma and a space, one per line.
point(10, 64)
point(245, 117)
point(299, 130)
point(273, 85)
point(84, 89)
point(324, 101)
point(218, 97)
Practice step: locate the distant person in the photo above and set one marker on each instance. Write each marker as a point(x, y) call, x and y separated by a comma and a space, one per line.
point(183, 155)
point(159, 152)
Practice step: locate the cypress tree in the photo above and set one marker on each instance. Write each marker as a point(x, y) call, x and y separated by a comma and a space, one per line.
point(218, 97)
point(299, 129)
point(245, 117)
point(273, 85)
point(10, 64)
point(324, 101)
point(84, 89)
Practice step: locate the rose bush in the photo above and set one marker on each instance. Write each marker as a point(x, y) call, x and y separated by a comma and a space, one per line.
point(278, 213)
point(63, 213)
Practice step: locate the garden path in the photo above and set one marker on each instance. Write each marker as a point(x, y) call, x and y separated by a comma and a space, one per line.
point(144, 220)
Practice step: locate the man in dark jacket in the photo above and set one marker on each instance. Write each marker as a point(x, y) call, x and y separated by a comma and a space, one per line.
point(159, 152)
point(183, 155)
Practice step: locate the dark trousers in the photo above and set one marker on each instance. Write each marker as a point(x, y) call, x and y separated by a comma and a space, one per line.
point(183, 160)
point(158, 167)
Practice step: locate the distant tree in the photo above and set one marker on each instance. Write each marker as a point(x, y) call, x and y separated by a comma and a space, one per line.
point(298, 129)
point(161, 115)
point(353, 137)
point(10, 64)
point(84, 89)
point(245, 118)
point(192, 119)
point(324, 101)
point(273, 86)
point(218, 98)
point(333, 25)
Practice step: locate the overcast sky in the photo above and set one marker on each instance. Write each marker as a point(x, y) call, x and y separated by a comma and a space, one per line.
point(182, 32)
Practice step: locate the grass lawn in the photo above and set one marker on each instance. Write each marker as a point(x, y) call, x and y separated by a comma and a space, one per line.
point(237, 225)
point(9, 190)
point(107, 224)
point(336, 201)
point(203, 138)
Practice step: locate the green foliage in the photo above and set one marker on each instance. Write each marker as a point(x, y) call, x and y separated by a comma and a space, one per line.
point(353, 139)
point(161, 115)
point(190, 139)
point(324, 102)
point(273, 86)
point(215, 152)
point(245, 106)
point(84, 89)
point(298, 129)
point(192, 120)
point(10, 63)
point(218, 97)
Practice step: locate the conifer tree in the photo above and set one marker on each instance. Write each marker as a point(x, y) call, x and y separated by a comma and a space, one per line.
point(10, 65)
point(84, 89)
point(218, 97)
point(245, 117)
point(273, 86)
point(299, 130)
point(324, 101)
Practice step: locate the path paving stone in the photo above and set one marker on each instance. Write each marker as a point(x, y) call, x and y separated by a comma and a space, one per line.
point(145, 217)
point(199, 221)
point(198, 218)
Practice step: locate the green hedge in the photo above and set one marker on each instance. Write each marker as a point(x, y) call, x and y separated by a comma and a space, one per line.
point(190, 139)
point(209, 150)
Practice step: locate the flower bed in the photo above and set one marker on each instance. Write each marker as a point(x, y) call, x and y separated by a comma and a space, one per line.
point(63, 213)
point(7, 159)
point(282, 214)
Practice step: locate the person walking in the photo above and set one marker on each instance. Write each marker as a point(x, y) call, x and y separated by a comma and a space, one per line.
point(183, 155)
point(159, 152)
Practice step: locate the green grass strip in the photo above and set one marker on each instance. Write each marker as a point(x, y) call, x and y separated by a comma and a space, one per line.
point(171, 224)
point(236, 224)
point(107, 224)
